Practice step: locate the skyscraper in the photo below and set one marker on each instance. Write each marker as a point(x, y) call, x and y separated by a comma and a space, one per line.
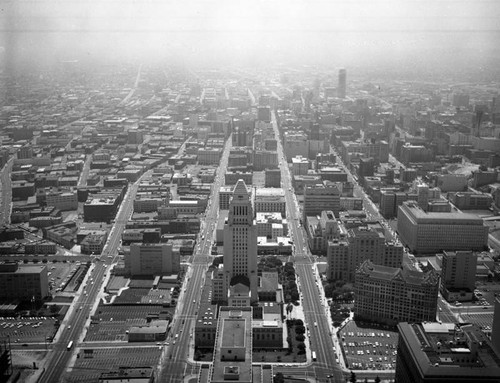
point(341, 92)
point(240, 242)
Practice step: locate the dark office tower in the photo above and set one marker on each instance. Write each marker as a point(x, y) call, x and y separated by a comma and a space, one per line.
point(341, 92)
point(366, 167)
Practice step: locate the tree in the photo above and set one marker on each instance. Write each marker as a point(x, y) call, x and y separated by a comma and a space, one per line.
point(300, 337)
point(197, 355)
point(301, 346)
point(377, 379)
point(279, 378)
point(300, 329)
point(352, 379)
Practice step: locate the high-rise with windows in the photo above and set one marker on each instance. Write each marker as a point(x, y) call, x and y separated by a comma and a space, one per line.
point(458, 275)
point(390, 295)
point(240, 242)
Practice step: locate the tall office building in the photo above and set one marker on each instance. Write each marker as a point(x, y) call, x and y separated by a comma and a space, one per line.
point(434, 352)
point(342, 83)
point(240, 243)
point(458, 275)
point(344, 255)
point(428, 233)
point(395, 294)
point(321, 196)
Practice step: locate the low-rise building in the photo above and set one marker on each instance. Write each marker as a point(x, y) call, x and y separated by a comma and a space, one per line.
point(94, 243)
point(148, 202)
point(100, 209)
point(63, 234)
point(40, 247)
point(265, 221)
point(151, 259)
point(270, 200)
point(62, 199)
point(153, 332)
point(469, 200)
point(233, 346)
point(128, 374)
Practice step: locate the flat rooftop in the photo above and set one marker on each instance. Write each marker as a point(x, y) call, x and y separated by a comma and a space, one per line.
point(446, 350)
point(451, 218)
point(233, 331)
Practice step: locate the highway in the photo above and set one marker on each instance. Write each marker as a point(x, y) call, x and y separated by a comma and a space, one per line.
point(312, 298)
point(174, 364)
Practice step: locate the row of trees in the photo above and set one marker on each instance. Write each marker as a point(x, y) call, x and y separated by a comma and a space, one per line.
point(286, 275)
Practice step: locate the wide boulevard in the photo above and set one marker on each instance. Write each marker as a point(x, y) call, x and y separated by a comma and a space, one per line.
point(312, 298)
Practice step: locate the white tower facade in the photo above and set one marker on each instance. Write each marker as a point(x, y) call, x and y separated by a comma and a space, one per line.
point(240, 242)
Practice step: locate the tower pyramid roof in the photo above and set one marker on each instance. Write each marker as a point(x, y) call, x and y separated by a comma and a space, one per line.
point(240, 188)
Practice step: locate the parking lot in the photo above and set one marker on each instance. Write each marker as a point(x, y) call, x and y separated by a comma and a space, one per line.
point(59, 274)
point(368, 347)
point(89, 369)
point(112, 322)
point(27, 330)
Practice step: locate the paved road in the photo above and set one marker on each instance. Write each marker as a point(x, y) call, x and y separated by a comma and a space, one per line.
point(312, 297)
point(134, 88)
point(5, 193)
point(74, 325)
point(174, 364)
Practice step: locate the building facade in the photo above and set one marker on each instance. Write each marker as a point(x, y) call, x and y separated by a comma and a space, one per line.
point(322, 196)
point(435, 353)
point(151, 259)
point(23, 282)
point(240, 242)
point(432, 232)
point(458, 275)
point(391, 295)
point(344, 255)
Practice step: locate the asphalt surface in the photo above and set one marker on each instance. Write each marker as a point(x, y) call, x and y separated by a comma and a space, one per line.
point(5, 193)
point(176, 362)
point(74, 325)
point(72, 328)
point(312, 297)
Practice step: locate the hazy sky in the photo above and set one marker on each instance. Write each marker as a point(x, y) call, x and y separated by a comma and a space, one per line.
point(232, 30)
